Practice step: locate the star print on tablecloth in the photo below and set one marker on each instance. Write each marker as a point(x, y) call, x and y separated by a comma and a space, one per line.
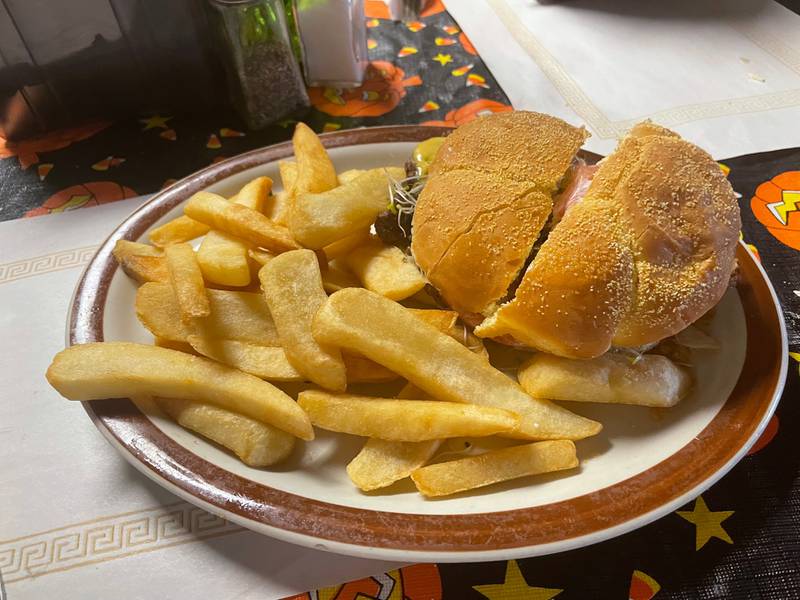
point(155, 122)
point(708, 523)
point(443, 59)
point(515, 587)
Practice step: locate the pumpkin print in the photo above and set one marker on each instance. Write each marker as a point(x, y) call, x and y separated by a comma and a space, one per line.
point(415, 582)
point(383, 88)
point(776, 204)
point(27, 151)
point(93, 193)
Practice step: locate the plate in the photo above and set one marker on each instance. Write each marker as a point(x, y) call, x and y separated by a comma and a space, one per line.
point(645, 464)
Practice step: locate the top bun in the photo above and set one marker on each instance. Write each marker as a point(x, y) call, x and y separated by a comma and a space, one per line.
point(489, 194)
point(647, 251)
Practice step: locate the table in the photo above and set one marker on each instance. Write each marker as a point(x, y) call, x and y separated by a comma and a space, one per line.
point(740, 539)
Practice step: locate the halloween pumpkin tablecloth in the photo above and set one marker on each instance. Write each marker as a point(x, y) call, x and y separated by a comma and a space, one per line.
point(740, 539)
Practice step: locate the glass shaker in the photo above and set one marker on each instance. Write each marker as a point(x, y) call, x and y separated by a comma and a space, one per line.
point(333, 41)
point(264, 78)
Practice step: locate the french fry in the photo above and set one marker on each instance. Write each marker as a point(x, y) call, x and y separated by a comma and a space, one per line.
point(255, 443)
point(651, 380)
point(382, 462)
point(403, 420)
point(366, 323)
point(443, 320)
point(472, 472)
point(260, 256)
point(335, 278)
point(241, 316)
point(125, 248)
point(278, 207)
point(122, 369)
point(254, 194)
point(144, 268)
point(288, 172)
point(317, 220)
point(223, 259)
point(181, 229)
point(266, 362)
point(385, 270)
point(345, 245)
point(363, 370)
point(346, 177)
point(173, 345)
point(315, 171)
point(292, 286)
point(239, 221)
point(187, 281)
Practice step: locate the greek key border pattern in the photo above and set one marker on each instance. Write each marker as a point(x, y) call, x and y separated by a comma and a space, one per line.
point(47, 263)
point(108, 538)
point(605, 128)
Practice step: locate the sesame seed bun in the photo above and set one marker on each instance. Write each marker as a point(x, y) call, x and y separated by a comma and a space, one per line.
point(489, 194)
point(647, 251)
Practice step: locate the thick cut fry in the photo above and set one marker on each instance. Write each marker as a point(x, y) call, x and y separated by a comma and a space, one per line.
point(385, 270)
point(382, 462)
point(223, 259)
point(266, 362)
point(315, 171)
point(652, 380)
point(255, 443)
point(239, 221)
point(346, 177)
point(336, 278)
point(363, 370)
point(288, 172)
point(260, 256)
point(366, 323)
point(254, 194)
point(292, 286)
point(241, 316)
point(144, 268)
point(121, 369)
point(443, 320)
point(187, 281)
point(181, 229)
point(173, 345)
point(345, 245)
point(317, 220)
point(495, 466)
point(403, 420)
point(125, 248)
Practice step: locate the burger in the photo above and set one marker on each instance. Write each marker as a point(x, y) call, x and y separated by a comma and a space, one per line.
point(534, 247)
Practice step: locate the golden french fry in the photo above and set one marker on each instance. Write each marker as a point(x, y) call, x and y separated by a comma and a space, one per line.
point(366, 323)
point(173, 345)
point(278, 207)
point(255, 443)
point(125, 248)
point(187, 281)
point(317, 220)
point(346, 177)
point(315, 171)
point(385, 270)
point(650, 380)
point(254, 194)
point(122, 369)
point(443, 320)
point(343, 246)
point(403, 420)
point(239, 221)
point(495, 466)
point(223, 259)
point(382, 462)
point(144, 268)
point(292, 286)
point(260, 256)
point(266, 362)
point(288, 172)
point(335, 278)
point(363, 370)
point(241, 316)
point(181, 229)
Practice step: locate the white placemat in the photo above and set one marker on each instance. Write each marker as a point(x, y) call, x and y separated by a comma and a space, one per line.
point(76, 521)
point(724, 74)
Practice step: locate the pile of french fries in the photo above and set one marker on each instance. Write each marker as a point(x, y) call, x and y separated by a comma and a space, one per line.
point(292, 287)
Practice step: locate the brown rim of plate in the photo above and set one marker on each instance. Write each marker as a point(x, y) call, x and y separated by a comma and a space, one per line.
point(688, 469)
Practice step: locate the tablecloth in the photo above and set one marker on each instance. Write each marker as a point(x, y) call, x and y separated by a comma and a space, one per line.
point(738, 540)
